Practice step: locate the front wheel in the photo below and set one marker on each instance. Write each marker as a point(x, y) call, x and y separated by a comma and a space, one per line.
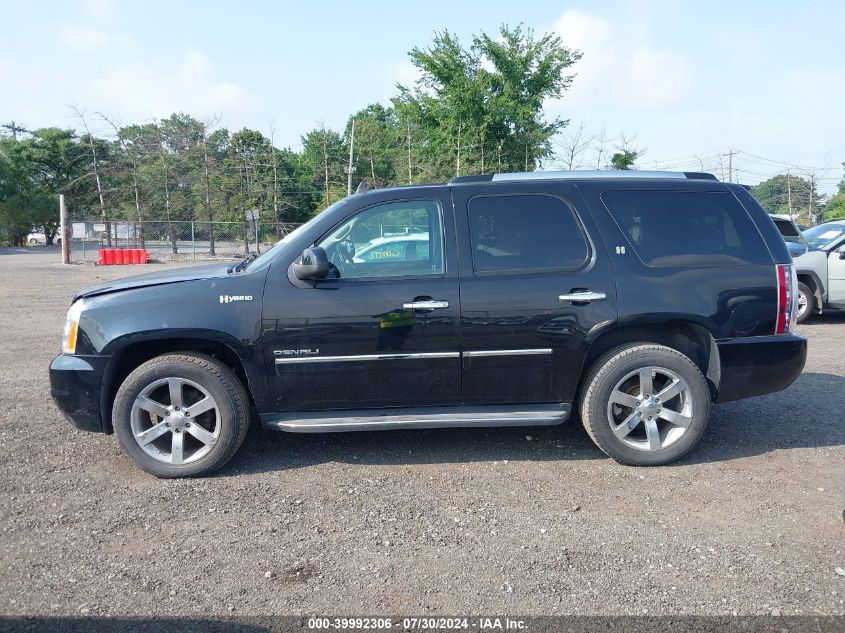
point(645, 404)
point(806, 303)
point(181, 415)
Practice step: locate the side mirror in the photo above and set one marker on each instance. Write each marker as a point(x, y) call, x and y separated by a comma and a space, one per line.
point(312, 265)
point(841, 254)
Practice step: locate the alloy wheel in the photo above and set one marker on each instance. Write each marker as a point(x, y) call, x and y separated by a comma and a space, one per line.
point(650, 408)
point(175, 420)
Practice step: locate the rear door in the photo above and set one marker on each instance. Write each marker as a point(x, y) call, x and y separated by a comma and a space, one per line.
point(535, 280)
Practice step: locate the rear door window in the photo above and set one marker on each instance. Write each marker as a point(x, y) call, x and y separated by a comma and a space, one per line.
point(517, 233)
point(687, 228)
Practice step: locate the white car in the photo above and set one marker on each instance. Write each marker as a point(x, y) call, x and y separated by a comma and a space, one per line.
point(398, 248)
point(38, 237)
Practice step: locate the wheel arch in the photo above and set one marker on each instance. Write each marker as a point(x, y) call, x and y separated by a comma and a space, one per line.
point(811, 279)
point(691, 339)
point(127, 355)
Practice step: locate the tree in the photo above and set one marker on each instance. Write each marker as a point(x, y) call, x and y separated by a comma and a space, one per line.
point(480, 106)
point(626, 154)
point(526, 72)
point(786, 194)
point(96, 166)
point(623, 159)
point(835, 207)
point(573, 145)
point(322, 158)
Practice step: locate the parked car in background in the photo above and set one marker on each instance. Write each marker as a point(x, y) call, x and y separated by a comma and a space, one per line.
point(399, 248)
point(37, 237)
point(821, 269)
point(792, 235)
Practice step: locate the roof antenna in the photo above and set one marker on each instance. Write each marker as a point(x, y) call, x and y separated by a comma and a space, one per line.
point(364, 186)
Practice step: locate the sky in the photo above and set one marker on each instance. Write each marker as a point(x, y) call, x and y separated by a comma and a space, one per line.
point(688, 81)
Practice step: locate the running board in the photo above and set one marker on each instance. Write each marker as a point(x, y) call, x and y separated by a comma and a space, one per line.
point(418, 418)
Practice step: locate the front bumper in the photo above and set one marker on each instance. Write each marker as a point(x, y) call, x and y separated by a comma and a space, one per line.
point(75, 384)
point(757, 365)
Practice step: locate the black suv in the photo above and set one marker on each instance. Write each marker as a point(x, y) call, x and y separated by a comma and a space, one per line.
point(636, 299)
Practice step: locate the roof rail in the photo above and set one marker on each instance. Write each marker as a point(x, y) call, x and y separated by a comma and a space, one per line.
point(585, 174)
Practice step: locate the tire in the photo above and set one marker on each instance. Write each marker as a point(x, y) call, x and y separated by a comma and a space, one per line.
point(807, 298)
point(624, 428)
point(58, 241)
point(144, 410)
point(33, 242)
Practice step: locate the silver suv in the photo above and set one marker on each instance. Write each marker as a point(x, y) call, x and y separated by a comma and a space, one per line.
point(821, 270)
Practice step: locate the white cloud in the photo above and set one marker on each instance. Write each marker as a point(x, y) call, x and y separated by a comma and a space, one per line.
point(100, 8)
point(83, 37)
point(138, 90)
point(407, 74)
point(620, 63)
point(655, 77)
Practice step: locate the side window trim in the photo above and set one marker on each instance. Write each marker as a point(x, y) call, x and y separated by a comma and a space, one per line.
point(389, 278)
point(591, 249)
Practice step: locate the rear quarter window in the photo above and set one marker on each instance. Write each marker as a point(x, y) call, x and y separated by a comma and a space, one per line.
point(687, 228)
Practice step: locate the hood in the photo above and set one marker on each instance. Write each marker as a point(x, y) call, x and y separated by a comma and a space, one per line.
point(177, 275)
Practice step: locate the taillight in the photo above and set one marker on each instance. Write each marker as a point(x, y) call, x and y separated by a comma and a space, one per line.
point(787, 282)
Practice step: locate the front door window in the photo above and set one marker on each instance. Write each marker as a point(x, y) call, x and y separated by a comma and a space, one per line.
point(394, 239)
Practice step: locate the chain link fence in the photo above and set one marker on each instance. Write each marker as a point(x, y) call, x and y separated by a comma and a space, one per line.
point(175, 241)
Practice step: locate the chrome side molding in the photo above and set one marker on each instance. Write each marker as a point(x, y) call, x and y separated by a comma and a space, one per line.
point(365, 357)
point(507, 352)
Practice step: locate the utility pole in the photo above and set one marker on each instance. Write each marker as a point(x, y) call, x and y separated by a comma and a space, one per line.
point(63, 230)
point(789, 194)
point(14, 129)
point(409, 152)
point(812, 178)
point(730, 156)
point(350, 167)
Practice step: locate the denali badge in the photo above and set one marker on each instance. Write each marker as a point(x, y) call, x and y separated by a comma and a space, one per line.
point(230, 298)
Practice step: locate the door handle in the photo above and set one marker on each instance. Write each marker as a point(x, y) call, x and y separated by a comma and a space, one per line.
point(427, 304)
point(583, 296)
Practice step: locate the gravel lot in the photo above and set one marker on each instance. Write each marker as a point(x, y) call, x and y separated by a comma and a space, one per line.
point(461, 521)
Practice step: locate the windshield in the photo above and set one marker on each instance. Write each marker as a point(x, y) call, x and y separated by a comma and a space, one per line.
point(824, 235)
point(281, 245)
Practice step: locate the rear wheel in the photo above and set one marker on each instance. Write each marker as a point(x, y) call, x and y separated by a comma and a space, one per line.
point(181, 415)
point(33, 241)
point(645, 404)
point(806, 302)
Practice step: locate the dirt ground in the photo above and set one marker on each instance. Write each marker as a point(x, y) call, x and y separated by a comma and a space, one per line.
point(461, 521)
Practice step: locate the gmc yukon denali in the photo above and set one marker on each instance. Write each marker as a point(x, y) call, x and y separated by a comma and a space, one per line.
point(633, 300)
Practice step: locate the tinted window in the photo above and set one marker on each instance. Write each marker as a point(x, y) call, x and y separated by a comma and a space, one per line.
point(687, 228)
point(527, 232)
point(786, 227)
point(393, 239)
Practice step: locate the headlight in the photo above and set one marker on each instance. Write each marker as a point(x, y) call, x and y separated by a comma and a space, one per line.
point(72, 327)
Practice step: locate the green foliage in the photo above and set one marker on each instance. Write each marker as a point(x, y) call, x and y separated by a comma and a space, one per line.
point(475, 109)
point(835, 207)
point(481, 109)
point(623, 159)
point(775, 195)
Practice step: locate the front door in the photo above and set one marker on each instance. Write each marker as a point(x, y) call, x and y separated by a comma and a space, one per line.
point(836, 277)
point(383, 329)
point(536, 282)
